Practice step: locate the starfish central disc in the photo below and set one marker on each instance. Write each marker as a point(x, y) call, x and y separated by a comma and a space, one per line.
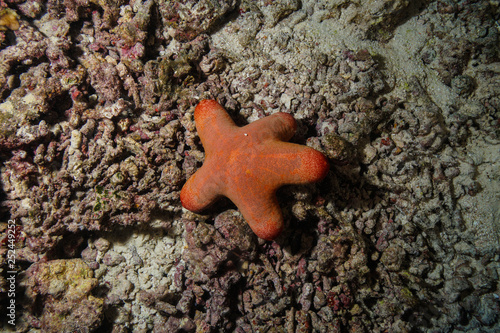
point(248, 164)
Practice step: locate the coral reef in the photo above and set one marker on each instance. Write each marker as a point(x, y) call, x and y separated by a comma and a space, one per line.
point(97, 138)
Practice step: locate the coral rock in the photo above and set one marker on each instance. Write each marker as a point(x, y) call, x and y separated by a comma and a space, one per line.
point(63, 288)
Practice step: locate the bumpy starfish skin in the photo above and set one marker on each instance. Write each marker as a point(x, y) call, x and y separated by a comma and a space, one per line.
point(248, 164)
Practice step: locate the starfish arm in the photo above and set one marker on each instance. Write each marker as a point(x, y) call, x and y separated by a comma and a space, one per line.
point(313, 166)
point(278, 126)
point(200, 191)
point(261, 210)
point(284, 163)
point(213, 123)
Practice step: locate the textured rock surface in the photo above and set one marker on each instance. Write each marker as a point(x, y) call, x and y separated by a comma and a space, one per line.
point(60, 292)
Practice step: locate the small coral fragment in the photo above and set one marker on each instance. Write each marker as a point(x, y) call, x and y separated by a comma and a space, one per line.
point(8, 19)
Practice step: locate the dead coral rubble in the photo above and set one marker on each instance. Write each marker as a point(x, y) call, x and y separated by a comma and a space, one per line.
point(186, 19)
point(97, 138)
point(61, 290)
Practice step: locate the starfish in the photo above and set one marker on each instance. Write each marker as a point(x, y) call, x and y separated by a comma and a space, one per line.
point(248, 164)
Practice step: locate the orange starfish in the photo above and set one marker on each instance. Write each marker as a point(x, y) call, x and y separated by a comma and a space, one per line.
point(248, 164)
